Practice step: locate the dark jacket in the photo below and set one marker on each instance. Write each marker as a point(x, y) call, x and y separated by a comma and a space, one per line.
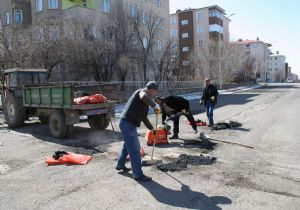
point(208, 92)
point(136, 109)
point(176, 103)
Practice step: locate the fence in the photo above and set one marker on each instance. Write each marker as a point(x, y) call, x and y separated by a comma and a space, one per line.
point(125, 89)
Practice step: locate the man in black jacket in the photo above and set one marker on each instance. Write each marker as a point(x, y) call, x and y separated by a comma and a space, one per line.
point(134, 113)
point(209, 100)
point(173, 107)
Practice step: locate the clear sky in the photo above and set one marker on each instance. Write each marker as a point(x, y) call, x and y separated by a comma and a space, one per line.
point(273, 21)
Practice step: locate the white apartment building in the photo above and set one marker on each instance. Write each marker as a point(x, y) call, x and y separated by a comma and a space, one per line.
point(276, 68)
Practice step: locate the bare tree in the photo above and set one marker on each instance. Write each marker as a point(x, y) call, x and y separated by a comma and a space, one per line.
point(147, 34)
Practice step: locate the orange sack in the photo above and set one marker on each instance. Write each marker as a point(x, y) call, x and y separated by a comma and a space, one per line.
point(97, 98)
point(68, 158)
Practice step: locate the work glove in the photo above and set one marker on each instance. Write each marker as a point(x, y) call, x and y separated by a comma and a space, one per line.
point(201, 102)
point(157, 109)
point(153, 131)
point(212, 98)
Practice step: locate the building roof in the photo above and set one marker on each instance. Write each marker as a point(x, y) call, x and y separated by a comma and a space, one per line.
point(246, 42)
point(195, 9)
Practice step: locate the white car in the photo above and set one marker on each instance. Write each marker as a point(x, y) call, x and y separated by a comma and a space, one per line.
point(290, 80)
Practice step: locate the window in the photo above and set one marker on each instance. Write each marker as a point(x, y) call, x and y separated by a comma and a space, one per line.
point(185, 63)
point(184, 22)
point(158, 22)
point(199, 16)
point(158, 3)
point(7, 18)
point(185, 49)
point(143, 17)
point(159, 45)
point(174, 46)
point(133, 10)
point(18, 16)
point(173, 33)
point(38, 5)
point(185, 35)
point(0, 23)
point(52, 4)
point(105, 6)
point(200, 29)
point(145, 42)
point(173, 20)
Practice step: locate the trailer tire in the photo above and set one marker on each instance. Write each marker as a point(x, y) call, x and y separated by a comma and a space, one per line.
point(57, 124)
point(14, 111)
point(98, 122)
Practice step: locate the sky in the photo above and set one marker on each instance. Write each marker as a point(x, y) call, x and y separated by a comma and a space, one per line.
point(273, 21)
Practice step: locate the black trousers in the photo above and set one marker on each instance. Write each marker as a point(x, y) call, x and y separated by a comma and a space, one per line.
point(190, 118)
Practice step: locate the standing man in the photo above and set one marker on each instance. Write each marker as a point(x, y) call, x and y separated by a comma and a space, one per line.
point(173, 107)
point(209, 99)
point(135, 112)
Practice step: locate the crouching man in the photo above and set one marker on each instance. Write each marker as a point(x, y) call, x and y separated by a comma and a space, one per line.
point(173, 107)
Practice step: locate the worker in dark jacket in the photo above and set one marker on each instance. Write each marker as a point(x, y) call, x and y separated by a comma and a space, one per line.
point(209, 100)
point(135, 112)
point(173, 107)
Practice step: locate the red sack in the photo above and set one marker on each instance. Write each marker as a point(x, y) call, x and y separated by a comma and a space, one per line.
point(69, 158)
point(97, 98)
point(81, 100)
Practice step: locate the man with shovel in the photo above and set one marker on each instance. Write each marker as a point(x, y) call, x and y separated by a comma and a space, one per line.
point(174, 107)
point(134, 113)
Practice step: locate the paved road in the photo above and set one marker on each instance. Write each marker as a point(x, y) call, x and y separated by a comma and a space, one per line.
point(267, 177)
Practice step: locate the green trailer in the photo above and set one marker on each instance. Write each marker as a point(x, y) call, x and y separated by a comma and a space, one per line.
point(54, 104)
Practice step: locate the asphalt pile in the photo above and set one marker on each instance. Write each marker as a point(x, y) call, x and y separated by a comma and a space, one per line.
point(184, 160)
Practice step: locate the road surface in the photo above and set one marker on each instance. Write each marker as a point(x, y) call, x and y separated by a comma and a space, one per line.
point(266, 177)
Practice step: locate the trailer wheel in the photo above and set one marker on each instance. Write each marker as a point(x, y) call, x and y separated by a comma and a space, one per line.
point(44, 119)
point(98, 122)
point(14, 111)
point(57, 124)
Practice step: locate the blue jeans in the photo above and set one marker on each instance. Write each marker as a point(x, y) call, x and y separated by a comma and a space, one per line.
point(209, 112)
point(132, 147)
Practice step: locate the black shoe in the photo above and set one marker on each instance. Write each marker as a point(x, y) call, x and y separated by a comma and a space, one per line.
point(143, 178)
point(175, 136)
point(125, 169)
point(195, 130)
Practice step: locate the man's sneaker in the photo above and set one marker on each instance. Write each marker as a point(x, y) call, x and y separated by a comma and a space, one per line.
point(195, 130)
point(175, 136)
point(125, 169)
point(143, 178)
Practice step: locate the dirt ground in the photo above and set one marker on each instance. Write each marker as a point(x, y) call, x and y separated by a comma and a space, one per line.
point(266, 177)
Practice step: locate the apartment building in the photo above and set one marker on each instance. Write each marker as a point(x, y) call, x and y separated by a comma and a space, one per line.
point(259, 51)
point(192, 30)
point(276, 68)
point(90, 16)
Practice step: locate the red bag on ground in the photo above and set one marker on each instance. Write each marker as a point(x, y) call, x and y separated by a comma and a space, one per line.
point(97, 98)
point(81, 100)
point(69, 158)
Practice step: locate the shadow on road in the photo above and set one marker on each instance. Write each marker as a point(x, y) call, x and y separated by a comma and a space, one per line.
point(223, 100)
point(183, 198)
point(84, 140)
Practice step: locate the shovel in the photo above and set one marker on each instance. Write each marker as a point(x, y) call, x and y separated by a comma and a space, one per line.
point(206, 137)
